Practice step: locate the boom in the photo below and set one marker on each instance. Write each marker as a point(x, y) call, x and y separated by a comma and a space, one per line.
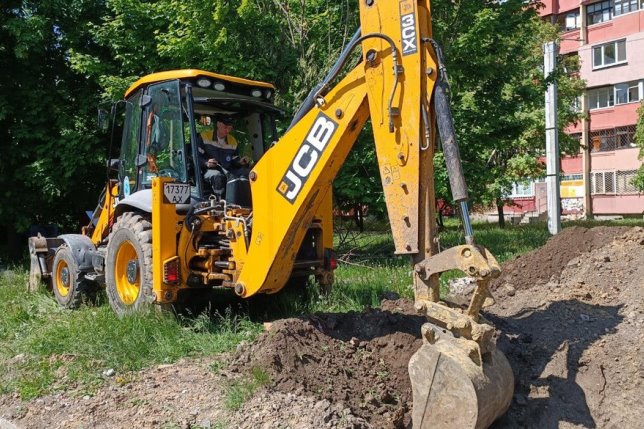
point(392, 86)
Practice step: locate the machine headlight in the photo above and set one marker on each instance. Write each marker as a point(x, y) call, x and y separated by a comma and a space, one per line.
point(256, 93)
point(268, 93)
point(219, 86)
point(203, 82)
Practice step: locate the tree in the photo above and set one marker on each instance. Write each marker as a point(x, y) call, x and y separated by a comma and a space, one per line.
point(494, 59)
point(61, 58)
point(49, 169)
point(638, 181)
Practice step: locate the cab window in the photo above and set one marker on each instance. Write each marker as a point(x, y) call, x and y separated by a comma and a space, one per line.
point(130, 144)
point(163, 135)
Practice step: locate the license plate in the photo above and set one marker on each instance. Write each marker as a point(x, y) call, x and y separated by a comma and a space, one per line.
point(176, 193)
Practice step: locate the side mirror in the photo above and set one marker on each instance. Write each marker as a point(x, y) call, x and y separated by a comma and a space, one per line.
point(141, 161)
point(103, 120)
point(145, 100)
point(114, 164)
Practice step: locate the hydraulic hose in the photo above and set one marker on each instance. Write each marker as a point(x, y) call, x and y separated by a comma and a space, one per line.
point(309, 101)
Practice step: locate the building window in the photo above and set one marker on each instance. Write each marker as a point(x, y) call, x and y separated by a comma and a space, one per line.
point(625, 6)
point(572, 20)
point(627, 93)
point(609, 54)
point(624, 182)
point(622, 93)
point(599, 12)
point(602, 182)
point(522, 190)
point(601, 97)
point(613, 182)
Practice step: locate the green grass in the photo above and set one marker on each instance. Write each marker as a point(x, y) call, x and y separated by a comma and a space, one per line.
point(240, 391)
point(44, 348)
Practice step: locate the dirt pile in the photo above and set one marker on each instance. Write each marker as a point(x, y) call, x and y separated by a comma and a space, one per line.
point(575, 344)
point(569, 319)
point(355, 359)
point(547, 262)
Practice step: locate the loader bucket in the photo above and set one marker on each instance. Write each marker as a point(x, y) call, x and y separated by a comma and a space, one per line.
point(454, 386)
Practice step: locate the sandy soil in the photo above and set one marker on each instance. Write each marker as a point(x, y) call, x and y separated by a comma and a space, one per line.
point(569, 318)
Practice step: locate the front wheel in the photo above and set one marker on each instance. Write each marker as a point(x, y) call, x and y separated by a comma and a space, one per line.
point(68, 282)
point(128, 266)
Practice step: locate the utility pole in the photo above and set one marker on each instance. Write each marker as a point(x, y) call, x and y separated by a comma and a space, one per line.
point(552, 141)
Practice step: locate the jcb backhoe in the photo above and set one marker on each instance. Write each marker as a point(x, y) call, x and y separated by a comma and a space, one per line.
point(160, 235)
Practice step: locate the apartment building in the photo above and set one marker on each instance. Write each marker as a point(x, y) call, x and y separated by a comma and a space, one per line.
point(608, 37)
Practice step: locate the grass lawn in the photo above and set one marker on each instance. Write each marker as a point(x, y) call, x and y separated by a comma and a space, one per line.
point(44, 348)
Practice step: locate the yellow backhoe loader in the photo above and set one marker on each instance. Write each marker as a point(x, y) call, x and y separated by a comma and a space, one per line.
point(160, 234)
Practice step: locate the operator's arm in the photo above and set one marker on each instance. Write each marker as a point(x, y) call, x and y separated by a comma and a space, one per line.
point(203, 154)
point(240, 159)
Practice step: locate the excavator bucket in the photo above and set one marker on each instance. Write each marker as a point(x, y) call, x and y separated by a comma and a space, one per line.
point(454, 385)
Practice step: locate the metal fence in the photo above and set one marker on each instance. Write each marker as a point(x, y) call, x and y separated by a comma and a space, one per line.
point(612, 139)
point(616, 182)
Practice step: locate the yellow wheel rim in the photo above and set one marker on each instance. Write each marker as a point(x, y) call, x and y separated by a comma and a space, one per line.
point(127, 286)
point(62, 278)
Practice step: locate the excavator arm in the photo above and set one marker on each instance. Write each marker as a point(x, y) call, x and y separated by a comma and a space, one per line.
point(458, 377)
point(392, 86)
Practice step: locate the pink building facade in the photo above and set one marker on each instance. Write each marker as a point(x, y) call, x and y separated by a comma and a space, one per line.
point(608, 38)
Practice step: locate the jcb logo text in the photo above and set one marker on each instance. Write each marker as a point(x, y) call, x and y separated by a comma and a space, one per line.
point(306, 157)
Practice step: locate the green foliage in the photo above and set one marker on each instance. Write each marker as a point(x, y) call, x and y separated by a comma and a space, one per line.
point(358, 182)
point(61, 58)
point(639, 140)
point(49, 171)
point(493, 52)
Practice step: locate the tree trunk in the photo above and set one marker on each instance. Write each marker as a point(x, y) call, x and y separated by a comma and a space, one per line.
point(499, 210)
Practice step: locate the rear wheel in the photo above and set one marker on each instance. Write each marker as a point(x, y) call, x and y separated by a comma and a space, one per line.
point(128, 267)
point(68, 283)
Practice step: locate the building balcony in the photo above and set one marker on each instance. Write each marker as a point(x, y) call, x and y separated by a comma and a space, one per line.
point(618, 26)
point(569, 42)
point(616, 116)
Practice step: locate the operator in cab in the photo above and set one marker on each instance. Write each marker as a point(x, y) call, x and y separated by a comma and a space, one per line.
point(219, 155)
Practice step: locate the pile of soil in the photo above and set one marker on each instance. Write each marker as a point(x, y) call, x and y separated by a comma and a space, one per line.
point(355, 359)
point(575, 343)
point(547, 262)
point(568, 318)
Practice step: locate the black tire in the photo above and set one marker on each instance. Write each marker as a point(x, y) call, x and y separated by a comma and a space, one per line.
point(68, 283)
point(129, 247)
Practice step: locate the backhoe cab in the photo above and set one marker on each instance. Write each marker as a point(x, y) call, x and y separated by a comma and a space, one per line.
point(159, 236)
